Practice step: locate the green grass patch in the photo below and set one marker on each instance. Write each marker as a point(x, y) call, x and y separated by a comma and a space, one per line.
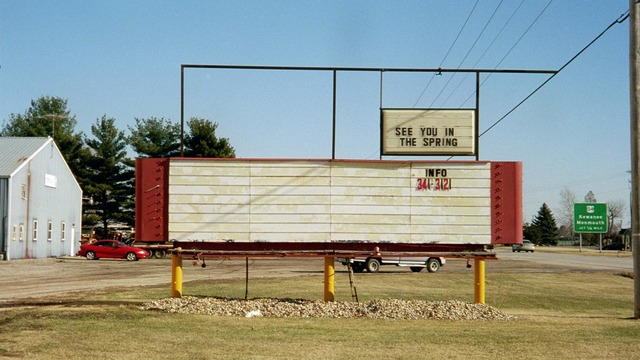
point(569, 315)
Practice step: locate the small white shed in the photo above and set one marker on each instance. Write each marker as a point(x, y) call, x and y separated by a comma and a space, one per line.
point(40, 200)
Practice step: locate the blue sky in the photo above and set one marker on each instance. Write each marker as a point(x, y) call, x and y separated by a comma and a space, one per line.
point(122, 59)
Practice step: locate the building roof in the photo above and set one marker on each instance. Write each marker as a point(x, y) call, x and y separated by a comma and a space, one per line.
point(14, 151)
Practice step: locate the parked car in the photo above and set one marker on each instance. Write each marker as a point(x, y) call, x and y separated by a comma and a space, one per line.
point(111, 249)
point(372, 264)
point(614, 246)
point(526, 246)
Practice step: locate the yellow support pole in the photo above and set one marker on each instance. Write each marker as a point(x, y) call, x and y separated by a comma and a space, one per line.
point(176, 275)
point(478, 275)
point(329, 279)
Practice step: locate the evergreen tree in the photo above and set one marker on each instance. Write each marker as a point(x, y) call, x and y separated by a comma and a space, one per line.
point(49, 116)
point(532, 233)
point(201, 141)
point(110, 180)
point(546, 224)
point(590, 197)
point(156, 138)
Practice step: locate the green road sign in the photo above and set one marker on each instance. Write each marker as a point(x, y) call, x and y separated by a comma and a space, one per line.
point(590, 218)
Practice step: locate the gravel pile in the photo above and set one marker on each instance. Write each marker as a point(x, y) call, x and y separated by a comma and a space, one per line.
point(287, 308)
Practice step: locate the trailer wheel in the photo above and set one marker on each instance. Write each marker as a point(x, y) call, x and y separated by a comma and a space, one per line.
point(373, 265)
point(152, 253)
point(416, 268)
point(433, 265)
point(160, 254)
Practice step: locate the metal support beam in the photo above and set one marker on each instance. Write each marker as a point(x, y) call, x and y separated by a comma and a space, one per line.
point(477, 120)
point(329, 279)
point(333, 137)
point(176, 275)
point(336, 249)
point(366, 69)
point(478, 276)
point(634, 79)
point(182, 111)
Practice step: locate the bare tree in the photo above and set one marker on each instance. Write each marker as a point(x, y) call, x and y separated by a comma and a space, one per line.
point(567, 199)
point(615, 210)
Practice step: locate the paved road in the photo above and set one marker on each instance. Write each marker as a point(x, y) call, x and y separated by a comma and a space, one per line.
point(587, 260)
point(49, 279)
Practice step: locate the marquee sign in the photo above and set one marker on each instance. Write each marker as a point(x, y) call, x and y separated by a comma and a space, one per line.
point(428, 132)
point(328, 201)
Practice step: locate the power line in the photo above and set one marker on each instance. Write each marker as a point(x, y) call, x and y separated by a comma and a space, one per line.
point(512, 47)
point(448, 51)
point(525, 33)
point(468, 52)
point(460, 32)
point(619, 20)
point(485, 53)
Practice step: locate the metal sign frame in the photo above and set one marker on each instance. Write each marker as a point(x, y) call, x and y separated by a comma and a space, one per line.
point(335, 71)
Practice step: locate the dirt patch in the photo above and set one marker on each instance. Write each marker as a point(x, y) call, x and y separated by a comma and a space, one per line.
point(65, 280)
point(34, 281)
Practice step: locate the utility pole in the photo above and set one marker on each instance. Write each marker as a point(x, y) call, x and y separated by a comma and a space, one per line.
point(634, 57)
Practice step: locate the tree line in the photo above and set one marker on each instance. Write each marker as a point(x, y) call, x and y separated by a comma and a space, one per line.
point(544, 229)
point(100, 161)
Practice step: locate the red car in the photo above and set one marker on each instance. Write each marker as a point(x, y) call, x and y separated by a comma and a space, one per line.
point(111, 249)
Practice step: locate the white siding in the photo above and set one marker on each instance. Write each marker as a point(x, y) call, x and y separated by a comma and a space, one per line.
point(45, 201)
point(304, 201)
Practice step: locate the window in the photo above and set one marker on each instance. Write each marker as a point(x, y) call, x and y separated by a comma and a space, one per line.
point(35, 230)
point(63, 231)
point(21, 232)
point(15, 232)
point(24, 191)
point(49, 230)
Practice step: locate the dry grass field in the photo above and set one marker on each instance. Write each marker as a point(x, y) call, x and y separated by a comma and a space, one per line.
point(560, 315)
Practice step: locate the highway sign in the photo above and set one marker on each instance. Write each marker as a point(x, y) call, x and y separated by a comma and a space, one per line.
point(590, 218)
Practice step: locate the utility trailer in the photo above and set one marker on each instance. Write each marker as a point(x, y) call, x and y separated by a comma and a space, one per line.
point(320, 207)
point(372, 263)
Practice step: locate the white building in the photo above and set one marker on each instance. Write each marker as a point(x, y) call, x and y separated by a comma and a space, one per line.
point(40, 200)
